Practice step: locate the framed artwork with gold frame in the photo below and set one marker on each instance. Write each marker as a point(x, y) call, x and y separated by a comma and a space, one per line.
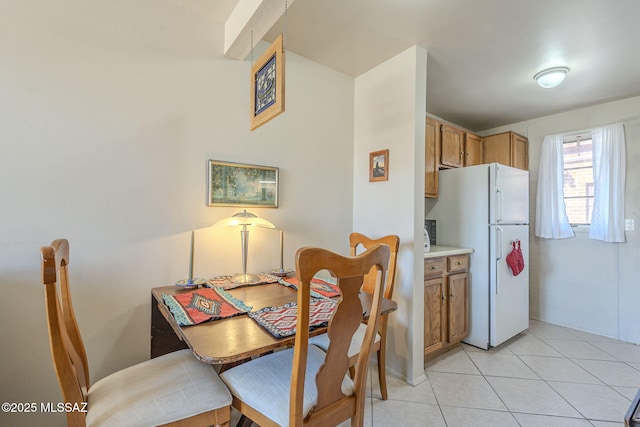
point(379, 166)
point(267, 85)
point(238, 184)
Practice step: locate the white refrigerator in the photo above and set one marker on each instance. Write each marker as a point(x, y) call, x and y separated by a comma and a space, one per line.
point(486, 208)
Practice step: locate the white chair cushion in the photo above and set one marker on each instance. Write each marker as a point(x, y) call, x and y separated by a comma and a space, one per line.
point(158, 391)
point(322, 341)
point(264, 383)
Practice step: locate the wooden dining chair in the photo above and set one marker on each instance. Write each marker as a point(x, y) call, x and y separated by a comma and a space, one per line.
point(171, 390)
point(380, 344)
point(303, 385)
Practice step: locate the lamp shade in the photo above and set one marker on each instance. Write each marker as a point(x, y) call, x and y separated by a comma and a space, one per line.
point(244, 218)
point(551, 77)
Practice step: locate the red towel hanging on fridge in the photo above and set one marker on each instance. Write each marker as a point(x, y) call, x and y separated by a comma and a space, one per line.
point(515, 260)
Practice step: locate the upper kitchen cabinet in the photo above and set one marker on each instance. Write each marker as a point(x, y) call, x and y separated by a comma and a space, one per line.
point(447, 147)
point(452, 147)
point(507, 148)
point(472, 149)
point(431, 156)
point(519, 152)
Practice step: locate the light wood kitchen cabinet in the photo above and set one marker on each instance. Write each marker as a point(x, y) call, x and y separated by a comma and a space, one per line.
point(446, 303)
point(452, 146)
point(519, 151)
point(434, 314)
point(431, 156)
point(507, 148)
point(458, 301)
point(472, 149)
point(447, 146)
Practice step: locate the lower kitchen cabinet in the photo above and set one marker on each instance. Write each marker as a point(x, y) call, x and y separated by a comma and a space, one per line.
point(457, 307)
point(434, 315)
point(446, 300)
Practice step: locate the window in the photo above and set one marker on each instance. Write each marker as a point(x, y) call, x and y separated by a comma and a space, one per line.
point(578, 178)
point(565, 181)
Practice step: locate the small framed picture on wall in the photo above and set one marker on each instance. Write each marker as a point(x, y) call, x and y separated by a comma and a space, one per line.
point(379, 166)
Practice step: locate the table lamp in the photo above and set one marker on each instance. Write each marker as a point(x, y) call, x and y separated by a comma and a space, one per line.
point(244, 219)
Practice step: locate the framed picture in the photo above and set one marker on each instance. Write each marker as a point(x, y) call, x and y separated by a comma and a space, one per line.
point(236, 184)
point(379, 166)
point(267, 85)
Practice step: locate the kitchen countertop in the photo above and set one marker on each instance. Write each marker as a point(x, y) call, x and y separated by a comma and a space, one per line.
point(438, 251)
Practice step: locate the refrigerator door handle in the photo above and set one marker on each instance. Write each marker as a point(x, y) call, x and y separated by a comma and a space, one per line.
point(498, 205)
point(499, 236)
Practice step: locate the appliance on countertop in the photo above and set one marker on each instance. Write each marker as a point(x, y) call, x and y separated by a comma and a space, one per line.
point(430, 226)
point(429, 234)
point(486, 208)
point(427, 241)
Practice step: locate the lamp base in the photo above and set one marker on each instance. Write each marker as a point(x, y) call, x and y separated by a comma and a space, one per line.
point(245, 278)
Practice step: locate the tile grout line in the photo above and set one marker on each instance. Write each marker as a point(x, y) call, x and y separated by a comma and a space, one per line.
point(491, 386)
point(435, 396)
point(604, 383)
point(562, 353)
point(572, 361)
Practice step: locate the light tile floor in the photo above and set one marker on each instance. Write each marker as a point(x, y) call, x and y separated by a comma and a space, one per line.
point(547, 376)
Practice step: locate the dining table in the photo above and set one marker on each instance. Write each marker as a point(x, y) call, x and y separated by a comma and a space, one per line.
point(231, 340)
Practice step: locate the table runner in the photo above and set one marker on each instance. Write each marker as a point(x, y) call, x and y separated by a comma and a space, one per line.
point(225, 282)
point(192, 308)
point(321, 288)
point(281, 321)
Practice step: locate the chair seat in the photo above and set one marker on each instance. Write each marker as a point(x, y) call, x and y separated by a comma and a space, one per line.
point(158, 391)
point(264, 383)
point(322, 341)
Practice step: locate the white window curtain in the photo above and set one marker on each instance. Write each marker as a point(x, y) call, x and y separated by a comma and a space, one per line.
point(551, 215)
point(609, 171)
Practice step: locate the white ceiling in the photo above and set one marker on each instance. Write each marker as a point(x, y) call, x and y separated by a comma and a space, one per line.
point(482, 53)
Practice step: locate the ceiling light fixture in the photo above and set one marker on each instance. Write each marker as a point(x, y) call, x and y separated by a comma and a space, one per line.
point(551, 77)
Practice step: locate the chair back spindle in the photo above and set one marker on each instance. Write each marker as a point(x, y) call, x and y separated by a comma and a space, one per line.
point(393, 241)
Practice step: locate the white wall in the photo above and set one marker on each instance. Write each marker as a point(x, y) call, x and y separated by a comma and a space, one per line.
point(109, 113)
point(389, 114)
point(579, 282)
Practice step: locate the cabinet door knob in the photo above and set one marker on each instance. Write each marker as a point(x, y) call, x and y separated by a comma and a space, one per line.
point(432, 267)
